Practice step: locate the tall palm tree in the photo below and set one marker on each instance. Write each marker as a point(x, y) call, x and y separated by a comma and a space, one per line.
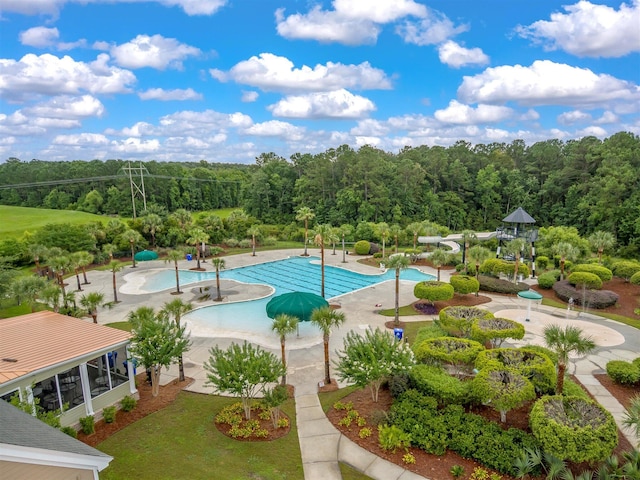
point(91, 302)
point(384, 232)
point(37, 252)
point(219, 264)
point(438, 258)
point(52, 294)
point(109, 249)
point(115, 266)
point(600, 241)
point(284, 325)
point(415, 229)
point(321, 233)
point(325, 319)
point(305, 214)
point(59, 264)
point(395, 230)
point(479, 254)
point(467, 236)
point(344, 231)
point(567, 252)
point(152, 224)
point(398, 263)
point(333, 238)
point(75, 261)
point(132, 236)
point(197, 238)
point(565, 342)
point(515, 247)
point(254, 231)
point(174, 256)
point(84, 259)
point(176, 309)
point(28, 289)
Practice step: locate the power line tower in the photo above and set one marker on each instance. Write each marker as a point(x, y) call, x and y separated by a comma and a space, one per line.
point(136, 189)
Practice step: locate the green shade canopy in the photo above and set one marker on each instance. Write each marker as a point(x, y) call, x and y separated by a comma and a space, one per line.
point(297, 304)
point(530, 295)
point(145, 255)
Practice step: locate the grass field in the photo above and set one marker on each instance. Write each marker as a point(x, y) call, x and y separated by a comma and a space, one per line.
point(14, 221)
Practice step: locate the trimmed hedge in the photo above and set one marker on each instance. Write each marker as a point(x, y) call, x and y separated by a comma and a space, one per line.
point(458, 320)
point(625, 269)
point(603, 272)
point(547, 279)
point(362, 247)
point(498, 285)
point(496, 330)
point(547, 352)
point(573, 428)
point(542, 262)
point(430, 331)
point(437, 383)
point(433, 291)
point(624, 373)
point(502, 388)
point(497, 266)
point(464, 284)
point(594, 298)
point(635, 278)
point(589, 280)
point(449, 350)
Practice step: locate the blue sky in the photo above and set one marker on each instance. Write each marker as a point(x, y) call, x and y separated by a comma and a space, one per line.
point(227, 80)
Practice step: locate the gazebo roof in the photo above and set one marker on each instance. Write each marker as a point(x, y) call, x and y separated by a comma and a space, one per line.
point(519, 216)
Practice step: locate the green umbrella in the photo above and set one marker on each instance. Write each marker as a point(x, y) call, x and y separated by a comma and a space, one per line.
point(145, 255)
point(297, 304)
point(529, 295)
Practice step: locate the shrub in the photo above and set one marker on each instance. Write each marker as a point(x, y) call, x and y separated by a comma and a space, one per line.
point(635, 278)
point(128, 403)
point(593, 298)
point(245, 243)
point(498, 285)
point(542, 262)
point(362, 247)
point(454, 351)
point(636, 362)
point(550, 354)
point(433, 291)
point(624, 373)
point(573, 389)
point(497, 266)
point(377, 255)
point(457, 320)
point(430, 331)
point(548, 279)
point(270, 241)
point(87, 424)
point(625, 269)
point(109, 414)
point(464, 284)
point(496, 330)
point(435, 382)
point(398, 384)
point(391, 438)
point(459, 267)
point(573, 428)
point(602, 272)
point(231, 242)
point(585, 279)
point(70, 431)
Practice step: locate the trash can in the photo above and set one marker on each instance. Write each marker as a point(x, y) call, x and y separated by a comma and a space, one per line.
point(397, 332)
point(189, 257)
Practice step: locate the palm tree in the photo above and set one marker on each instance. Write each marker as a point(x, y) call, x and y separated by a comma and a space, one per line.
point(479, 254)
point(284, 325)
point(567, 252)
point(600, 241)
point(52, 294)
point(397, 262)
point(395, 231)
point(384, 232)
point(174, 256)
point(564, 342)
point(219, 264)
point(305, 214)
point(132, 236)
point(344, 230)
point(91, 302)
point(333, 238)
point(176, 309)
point(28, 289)
point(58, 264)
point(38, 252)
point(197, 237)
point(321, 233)
point(254, 231)
point(75, 261)
point(152, 224)
point(467, 236)
point(438, 258)
point(85, 259)
point(326, 318)
point(115, 267)
point(109, 249)
point(515, 247)
point(631, 418)
point(415, 229)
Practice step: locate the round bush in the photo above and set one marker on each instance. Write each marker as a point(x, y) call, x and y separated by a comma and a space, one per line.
point(635, 278)
point(636, 362)
point(574, 429)
point(542, 262)
point(594, 298)
point(547, 279)
point(603, 272)
point(590, 280)
point(458, 320)
point(433, 291)
point(496, 330)
point(624, 373)
point(362, 247)
point(435, 382)
point(625, 269)
point(453, 351)
point(550, 354)
point(464, 284)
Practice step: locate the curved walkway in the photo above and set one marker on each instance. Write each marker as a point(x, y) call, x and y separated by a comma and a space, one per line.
point(321, 445)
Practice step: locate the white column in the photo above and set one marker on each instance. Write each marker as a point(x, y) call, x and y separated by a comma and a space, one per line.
point(130, 374)
point(30, 400)
point(86, 388)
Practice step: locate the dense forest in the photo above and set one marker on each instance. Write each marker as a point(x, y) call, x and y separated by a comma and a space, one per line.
point(590, 184)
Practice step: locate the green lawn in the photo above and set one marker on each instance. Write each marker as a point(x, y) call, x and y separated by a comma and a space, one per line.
point(181, 441)
point(14, 221)
point(632, 322)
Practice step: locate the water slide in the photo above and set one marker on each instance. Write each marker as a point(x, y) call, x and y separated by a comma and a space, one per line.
point(452, 240)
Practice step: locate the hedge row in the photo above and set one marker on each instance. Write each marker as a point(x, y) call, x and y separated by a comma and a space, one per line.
point(624, 373)
point(585, 279)
point(548, 279)
point(497, 285)
point(593, 298)
point(602, 272)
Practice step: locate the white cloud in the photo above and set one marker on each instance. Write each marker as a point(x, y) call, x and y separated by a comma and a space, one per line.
point(546, 83)
point(608, 117)
point(80, 139)
point(193, 123)
point(156, 52)
point(140, 129)
point(274, 73)
point(456, 56)
point(67, 107)
point(249, 96)
point(136, 145)
point(458, 113)
point(169, 95)
point(592, 131)
point(432, 30)
point(197, 7)
point(575, 116)
point(589, 30)
point(51, 75)
point(39, 37)
point(336, 104)
point(52, 7)
point(379, 11)
point(276, 128)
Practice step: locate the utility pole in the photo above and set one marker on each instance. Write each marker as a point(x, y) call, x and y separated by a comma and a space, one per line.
point(136, 189)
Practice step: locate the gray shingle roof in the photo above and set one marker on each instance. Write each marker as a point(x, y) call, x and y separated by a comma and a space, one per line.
point(519, 216)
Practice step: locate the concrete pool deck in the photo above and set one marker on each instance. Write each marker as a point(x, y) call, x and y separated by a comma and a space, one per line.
point(322, 446)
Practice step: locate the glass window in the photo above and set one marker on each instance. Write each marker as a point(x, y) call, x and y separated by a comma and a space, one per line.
point(71, 387)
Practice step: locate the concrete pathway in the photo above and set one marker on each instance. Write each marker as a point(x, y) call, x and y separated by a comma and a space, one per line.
point(321, 445)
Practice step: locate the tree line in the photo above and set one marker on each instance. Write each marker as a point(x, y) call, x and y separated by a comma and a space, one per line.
point(589, 184)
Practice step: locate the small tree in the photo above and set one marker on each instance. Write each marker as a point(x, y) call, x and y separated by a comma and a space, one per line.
point(566, 251)
point(464, 284)
point(219, 264)
point(255, 232)
point(197, 238)
point(174, 256)
point(91, 302)
point(516, 247)
point(600, 241)
point(176, 309)
point(398, 263)
point(242, 370)
point(284, 325)
point(631, 418)
point(496, 330)
point(273, 398)
point(564, 342)
point(371, 359)
point(503, 389)
point(132, 237)
point(438, 258)
point(325, 319)
point(156, 342)
point(479, 254)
